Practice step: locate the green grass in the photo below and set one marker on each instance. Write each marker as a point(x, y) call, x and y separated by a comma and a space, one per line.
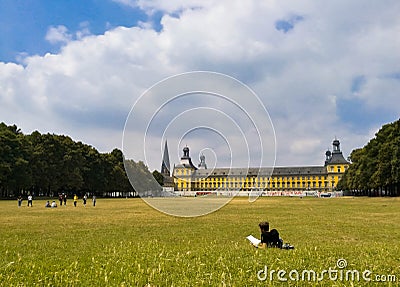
point(124, 242)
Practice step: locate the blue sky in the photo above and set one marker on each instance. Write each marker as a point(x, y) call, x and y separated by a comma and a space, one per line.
point(288, 24)
point(322, 70)
point(24, 23)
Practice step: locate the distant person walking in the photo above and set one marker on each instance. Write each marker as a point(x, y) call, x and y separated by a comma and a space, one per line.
point(19, 201)
point(94, 200)
point(75, 199)
point(64, 196)
point(84, 200)
point(60, 198)
point(30, 199)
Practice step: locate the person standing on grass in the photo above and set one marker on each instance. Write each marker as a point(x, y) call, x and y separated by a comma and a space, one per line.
point(84, 200)
point(94, 200)
point(75, 199)
point(30, 199)
point(60, 198)
point(19, 201)
point(64, 196)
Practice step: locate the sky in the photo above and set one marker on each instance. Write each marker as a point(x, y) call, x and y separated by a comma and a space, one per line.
point(88, 69)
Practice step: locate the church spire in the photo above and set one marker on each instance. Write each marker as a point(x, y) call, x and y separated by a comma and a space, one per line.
point(165, 166)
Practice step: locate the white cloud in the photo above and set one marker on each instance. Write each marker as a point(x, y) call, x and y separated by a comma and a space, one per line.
point(58, 34)
point(84, 30)
point(61, 35)
point(171, 6)
point(88, 88)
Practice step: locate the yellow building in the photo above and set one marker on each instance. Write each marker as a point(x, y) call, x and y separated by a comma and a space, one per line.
point(282, 180)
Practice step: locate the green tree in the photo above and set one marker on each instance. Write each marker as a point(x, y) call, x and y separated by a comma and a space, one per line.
point(158, 177)
point(142, 179)
point(15, 172)
point(375, 168)
point(46, 164)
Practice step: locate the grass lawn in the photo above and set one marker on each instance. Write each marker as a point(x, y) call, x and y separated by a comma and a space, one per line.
point(124, 242)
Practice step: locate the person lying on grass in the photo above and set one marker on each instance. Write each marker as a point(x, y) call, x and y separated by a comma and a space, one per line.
point(269, 238)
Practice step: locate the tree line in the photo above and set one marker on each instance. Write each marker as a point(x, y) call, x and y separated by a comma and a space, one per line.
point(375, 168)
point(48, 164)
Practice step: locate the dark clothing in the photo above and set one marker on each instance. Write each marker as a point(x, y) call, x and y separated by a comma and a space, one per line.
point(271, 238)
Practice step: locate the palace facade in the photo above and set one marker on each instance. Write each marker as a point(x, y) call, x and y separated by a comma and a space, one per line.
point(188, 178)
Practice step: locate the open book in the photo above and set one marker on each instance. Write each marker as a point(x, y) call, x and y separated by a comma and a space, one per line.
point(253, 240)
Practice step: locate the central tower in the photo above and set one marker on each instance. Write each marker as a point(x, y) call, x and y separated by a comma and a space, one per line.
point(183, 172)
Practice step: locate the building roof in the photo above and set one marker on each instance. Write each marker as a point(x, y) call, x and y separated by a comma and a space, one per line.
point(337, 158)
point(300, 170)
point(187, 164)
point(186, 161)
point(264, 171)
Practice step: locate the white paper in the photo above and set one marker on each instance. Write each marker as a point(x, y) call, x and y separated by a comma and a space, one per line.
point(253, 240)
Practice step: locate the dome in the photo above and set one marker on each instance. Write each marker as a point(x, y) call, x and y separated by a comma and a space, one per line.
point(328, 153)
point(186, 152)
point(202, 164)
point(336, 146)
